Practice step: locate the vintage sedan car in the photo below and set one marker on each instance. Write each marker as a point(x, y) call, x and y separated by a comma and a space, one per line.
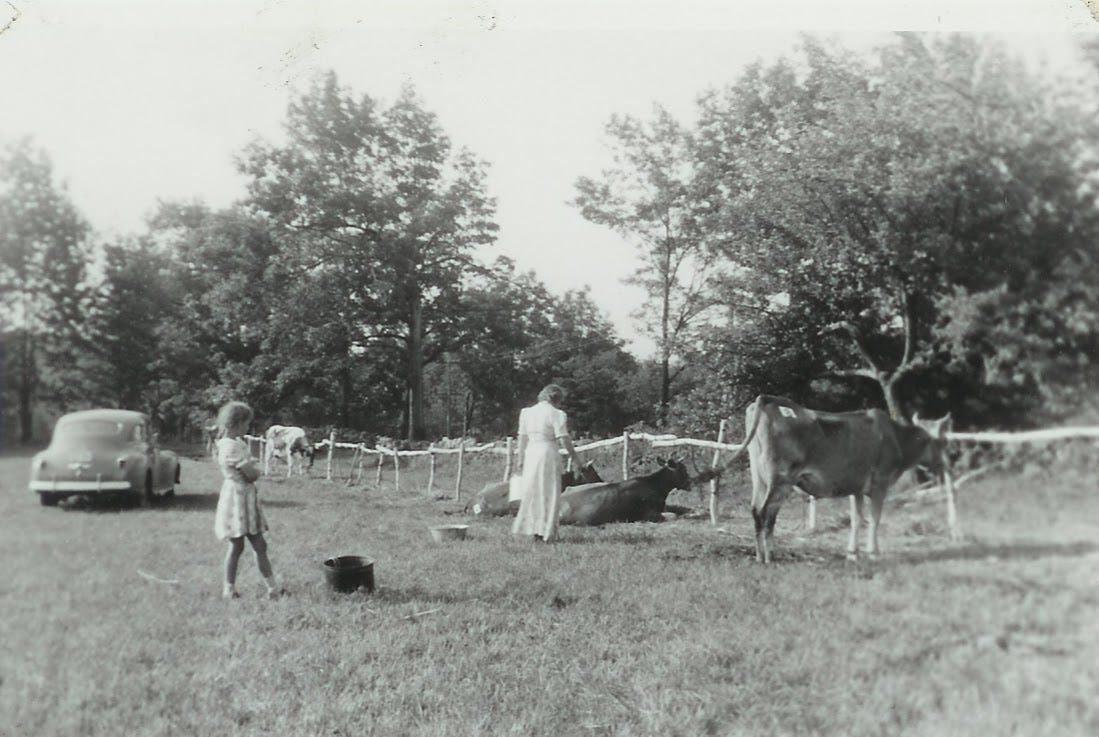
point(103, 452)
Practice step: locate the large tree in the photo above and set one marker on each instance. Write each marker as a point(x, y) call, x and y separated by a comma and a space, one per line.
point(45, 254)
point(386, 210)
point(862, 192)
point(647, 196)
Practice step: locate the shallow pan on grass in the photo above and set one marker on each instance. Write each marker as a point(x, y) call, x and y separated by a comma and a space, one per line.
point(448, 533)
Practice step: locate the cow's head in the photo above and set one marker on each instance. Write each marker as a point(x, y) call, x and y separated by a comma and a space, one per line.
point(933, 458)
point(682, 479)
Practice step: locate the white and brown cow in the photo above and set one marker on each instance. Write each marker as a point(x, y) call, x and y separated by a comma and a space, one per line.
point(287, 441)
point(827, 454)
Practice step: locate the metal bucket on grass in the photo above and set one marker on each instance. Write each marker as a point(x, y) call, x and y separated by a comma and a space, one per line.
point(349, 573)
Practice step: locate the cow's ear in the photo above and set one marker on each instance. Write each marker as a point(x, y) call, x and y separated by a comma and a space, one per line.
point(660, 461)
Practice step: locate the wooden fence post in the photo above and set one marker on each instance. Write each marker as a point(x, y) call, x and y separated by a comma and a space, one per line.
point(381, 461)
point(625, 455)
point(713, 482)
point(507, 464)
point(431, 473)
point(396, 470)
point(331, 450)
point(458, 480)
point(362, 460)
point(951, 507)
point(811, 514)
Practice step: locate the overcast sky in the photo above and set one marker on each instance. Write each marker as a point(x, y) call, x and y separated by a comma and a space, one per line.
point(140, 101)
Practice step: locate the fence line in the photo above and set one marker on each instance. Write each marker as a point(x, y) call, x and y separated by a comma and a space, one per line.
point(1030, 436)
point(656, 441)
point(666, 441)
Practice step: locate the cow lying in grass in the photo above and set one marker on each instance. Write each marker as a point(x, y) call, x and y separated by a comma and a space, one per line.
point(494, 501)
point(637, 499)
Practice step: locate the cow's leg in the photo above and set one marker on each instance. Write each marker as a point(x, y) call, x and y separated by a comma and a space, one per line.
point(757, 517)
point(877, 501)
point(289, 462)
point(760, 490)
point(769, 529)
point(765, 516)
point(856, 517)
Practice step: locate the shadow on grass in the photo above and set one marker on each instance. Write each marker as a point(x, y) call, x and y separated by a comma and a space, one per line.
point(208, 502)
point(176, 503)
point(419, 598)
point(834, 557)
point(1000, 551)
point(601, 536)
point(837, 556)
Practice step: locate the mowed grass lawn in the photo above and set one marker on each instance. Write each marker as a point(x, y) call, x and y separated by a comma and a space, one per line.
point(639, 629)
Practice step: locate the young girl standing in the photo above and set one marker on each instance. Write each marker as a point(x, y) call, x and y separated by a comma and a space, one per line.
point(239, 514)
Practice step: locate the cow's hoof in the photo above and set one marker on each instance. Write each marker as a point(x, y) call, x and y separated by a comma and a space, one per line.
point(852, 557)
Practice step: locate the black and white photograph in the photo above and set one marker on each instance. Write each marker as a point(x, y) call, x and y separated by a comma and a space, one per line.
point(441, 368)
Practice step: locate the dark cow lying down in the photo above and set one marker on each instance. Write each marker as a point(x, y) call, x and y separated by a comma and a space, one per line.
point(493, 501)
point(638, 499)
point(826, 454)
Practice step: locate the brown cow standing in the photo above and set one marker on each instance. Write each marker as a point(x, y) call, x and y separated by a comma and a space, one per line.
point(826, 454)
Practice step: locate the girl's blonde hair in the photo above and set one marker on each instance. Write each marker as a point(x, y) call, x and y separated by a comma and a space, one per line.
point(552, 393)
point(233, 415)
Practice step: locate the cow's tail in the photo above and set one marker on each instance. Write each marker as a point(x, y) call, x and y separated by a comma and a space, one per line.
point(712, 473)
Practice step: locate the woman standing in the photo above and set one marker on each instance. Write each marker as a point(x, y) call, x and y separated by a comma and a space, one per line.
point(541, 429)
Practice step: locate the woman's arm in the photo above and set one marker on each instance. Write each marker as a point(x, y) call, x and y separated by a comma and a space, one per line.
point(522, 449)
point(566, 442)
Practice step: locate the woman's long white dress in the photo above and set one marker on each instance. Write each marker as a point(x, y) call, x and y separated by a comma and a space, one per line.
point(543, 424)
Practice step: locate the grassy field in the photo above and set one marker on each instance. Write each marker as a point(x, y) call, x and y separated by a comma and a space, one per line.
point(640, 629)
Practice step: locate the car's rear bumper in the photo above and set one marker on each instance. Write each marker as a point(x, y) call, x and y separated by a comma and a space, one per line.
point(80, 487)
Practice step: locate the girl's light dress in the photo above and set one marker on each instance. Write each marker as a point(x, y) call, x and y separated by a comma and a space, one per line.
point(239, 512)
point(543, 424)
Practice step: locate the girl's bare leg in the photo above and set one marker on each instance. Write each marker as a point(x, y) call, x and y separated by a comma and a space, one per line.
point(232, 558)
point(259, 546)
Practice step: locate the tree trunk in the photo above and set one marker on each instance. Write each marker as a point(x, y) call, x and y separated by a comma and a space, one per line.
point(416, 371)
point(891, 402)
point(26, 389)
point(665, 348)
point(467, 413)
point(345, 397)
point(446, 382)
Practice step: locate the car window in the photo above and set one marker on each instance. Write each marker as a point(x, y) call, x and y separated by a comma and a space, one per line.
point(84, 428)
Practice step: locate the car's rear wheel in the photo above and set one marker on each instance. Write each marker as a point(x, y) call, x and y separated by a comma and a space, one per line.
point(171, 492)
point(46, 499)
point(147, 492)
